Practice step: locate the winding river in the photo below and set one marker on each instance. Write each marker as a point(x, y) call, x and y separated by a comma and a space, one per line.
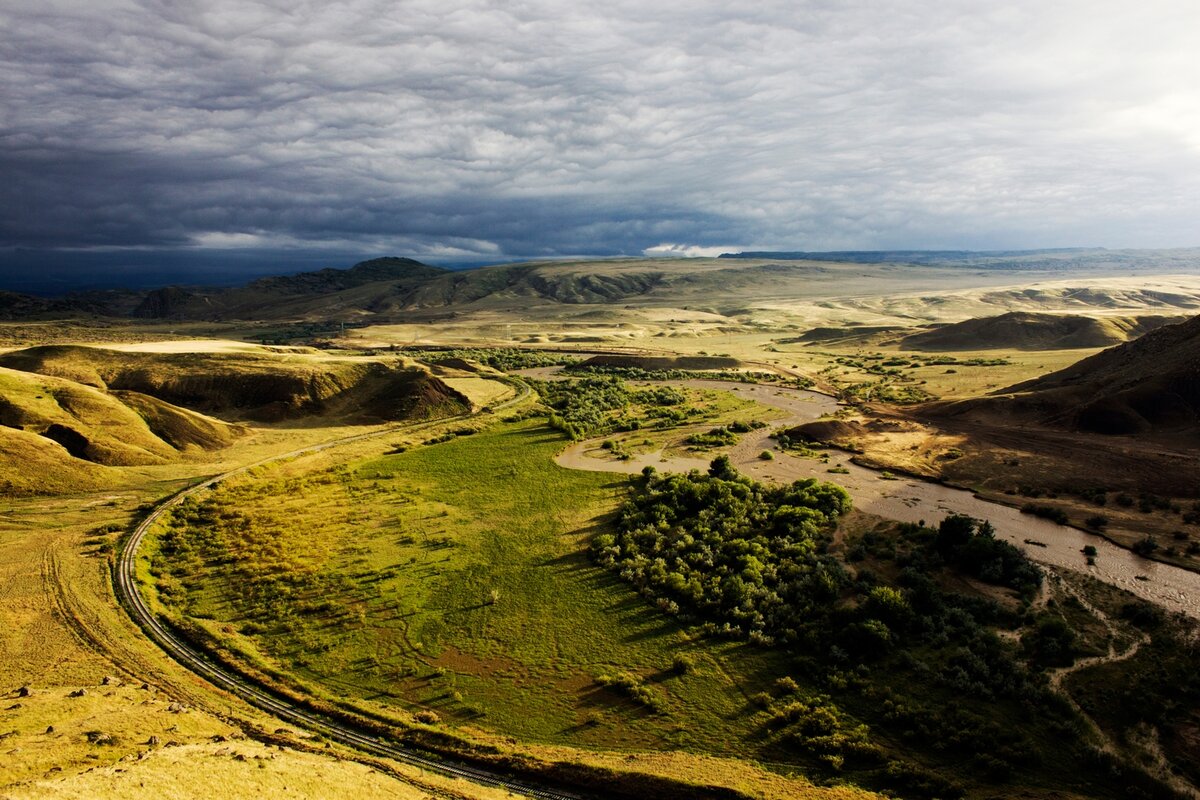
point(908, 499)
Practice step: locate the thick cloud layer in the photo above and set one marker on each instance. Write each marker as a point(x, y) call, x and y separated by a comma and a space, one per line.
point(487, 128)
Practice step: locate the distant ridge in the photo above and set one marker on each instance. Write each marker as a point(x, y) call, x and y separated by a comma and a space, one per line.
point(904, 256)
point(390, 289)
point(330, 279)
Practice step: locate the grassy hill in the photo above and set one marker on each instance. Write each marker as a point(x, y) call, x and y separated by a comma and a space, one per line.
point(1019, 330)
point(57, 435)
point(1151, 384)
point(95, 426)
point(264, 387)
point(282, 295)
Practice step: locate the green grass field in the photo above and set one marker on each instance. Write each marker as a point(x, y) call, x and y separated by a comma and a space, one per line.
point(454, 577)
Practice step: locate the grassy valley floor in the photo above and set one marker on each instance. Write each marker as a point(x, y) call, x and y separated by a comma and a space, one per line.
point(450, 583)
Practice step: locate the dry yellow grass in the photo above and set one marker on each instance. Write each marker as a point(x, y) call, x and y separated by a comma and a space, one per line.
point(480, 391)
point(702, 770)
point(61, 632)
point(244, 770)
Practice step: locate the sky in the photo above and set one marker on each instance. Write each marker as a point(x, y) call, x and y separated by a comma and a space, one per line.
point(235, 136)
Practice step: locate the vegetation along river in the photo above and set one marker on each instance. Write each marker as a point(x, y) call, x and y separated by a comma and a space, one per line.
point(908, 499)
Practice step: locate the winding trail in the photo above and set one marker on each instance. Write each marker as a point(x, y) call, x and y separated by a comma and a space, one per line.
point(907, 499)
point(263, 697)
point(1059, 674)
point(1161, 767)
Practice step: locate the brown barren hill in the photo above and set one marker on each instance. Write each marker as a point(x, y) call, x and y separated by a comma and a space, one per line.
point(1025, 330)
point(1148, 386)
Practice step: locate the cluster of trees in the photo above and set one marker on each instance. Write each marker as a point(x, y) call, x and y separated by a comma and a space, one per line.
point(584, 407)
point(725, 548)
point(641, 374)
point(749, 560)
point(591, 406)
point(972, 547)
point(716, 437)
point(505, 359)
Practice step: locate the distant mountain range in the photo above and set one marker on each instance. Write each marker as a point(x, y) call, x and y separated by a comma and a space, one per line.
point(989, 259)
point(384, 288)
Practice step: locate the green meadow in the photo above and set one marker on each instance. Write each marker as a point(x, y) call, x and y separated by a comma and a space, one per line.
point(455, 578)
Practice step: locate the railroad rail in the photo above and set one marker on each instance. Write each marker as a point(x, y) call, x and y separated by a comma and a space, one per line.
point(262, 697)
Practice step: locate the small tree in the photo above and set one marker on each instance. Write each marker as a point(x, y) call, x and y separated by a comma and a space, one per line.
point(721, 467)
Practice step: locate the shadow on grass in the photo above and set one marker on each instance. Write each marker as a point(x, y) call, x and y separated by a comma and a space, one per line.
point(599, 696)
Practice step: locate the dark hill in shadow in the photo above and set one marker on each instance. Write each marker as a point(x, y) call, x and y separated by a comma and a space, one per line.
point(1022, 330)
point(1148, 385)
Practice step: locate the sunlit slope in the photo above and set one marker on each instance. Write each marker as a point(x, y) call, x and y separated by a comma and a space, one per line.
point(384, 289)
point(115, 429)
point(33, 464)
point(58, 435)
point(265, 387)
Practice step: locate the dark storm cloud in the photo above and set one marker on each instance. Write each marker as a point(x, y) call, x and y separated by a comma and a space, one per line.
point(537, 128)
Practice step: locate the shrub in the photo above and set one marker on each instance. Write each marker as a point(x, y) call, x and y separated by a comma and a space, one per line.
point(1046, 512)
point(1145, 547)
point(786, 685)
point(632, 687)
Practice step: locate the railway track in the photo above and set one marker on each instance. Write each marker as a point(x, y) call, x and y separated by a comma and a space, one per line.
point(263, 698)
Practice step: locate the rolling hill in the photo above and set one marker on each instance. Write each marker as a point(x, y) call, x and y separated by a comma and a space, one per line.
point(1148, 385)
point(263, 387)
point(94, 425)
point(828, 291)
point(57, 435)
point(1022, 330)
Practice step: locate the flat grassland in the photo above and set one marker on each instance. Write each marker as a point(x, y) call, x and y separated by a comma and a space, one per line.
point(462, 585)
point(453, 577)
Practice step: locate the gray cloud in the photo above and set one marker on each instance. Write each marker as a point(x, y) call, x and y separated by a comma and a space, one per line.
point(537, 127)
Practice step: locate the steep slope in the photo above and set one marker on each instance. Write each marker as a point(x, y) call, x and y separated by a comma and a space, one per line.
point(1149, 385)
point(1019, 330)
point(31, 464)
point(57, 435)
point(177, 426)
point(259, 387)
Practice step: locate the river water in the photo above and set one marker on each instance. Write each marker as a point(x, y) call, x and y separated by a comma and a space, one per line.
point(908, 499)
